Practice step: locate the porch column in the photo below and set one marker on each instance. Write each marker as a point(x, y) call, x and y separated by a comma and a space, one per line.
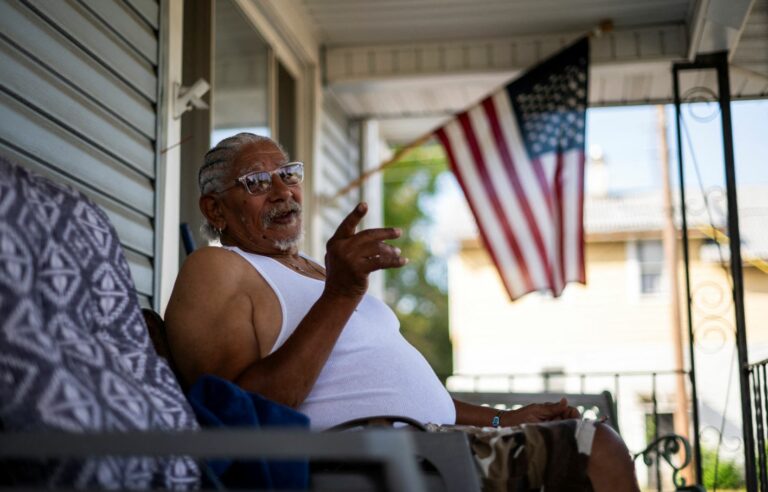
point(372, 191)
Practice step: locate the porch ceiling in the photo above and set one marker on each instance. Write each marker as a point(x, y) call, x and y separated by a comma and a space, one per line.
point(356, 22)
point(410, 63)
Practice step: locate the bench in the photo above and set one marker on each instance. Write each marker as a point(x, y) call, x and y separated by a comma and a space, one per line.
point(591, 405)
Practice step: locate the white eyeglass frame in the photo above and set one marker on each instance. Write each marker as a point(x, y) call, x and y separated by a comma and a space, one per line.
point(241, 179)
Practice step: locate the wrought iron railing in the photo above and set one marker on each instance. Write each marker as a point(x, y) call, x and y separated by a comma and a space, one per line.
point(665, 448)
point(661, 450)
point(759, 392)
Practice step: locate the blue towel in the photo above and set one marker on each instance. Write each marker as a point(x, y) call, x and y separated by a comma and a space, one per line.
point(220, 403)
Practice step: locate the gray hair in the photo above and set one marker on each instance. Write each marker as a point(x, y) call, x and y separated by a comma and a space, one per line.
point(216, 166)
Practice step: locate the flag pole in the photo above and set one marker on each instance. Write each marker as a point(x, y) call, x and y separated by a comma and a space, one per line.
point(401, 152)
point(604, 26)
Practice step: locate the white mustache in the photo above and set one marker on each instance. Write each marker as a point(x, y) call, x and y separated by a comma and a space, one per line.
point(268, 217)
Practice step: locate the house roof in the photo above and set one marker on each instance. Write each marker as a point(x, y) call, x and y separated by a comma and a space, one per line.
point(643, 212)
point(639, 214)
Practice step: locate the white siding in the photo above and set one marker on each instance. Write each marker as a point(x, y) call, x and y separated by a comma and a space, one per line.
point(78, 93)
point(339, 164)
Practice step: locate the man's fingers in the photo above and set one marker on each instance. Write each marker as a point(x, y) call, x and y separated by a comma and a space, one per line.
point(379, 248)
point(379, 234)
point(375, 256)
point(561, 409)
point(350, 222)
point(555, 408)
point(372, 252)
point(366, 251)
point(379, 262)
point(568, 411)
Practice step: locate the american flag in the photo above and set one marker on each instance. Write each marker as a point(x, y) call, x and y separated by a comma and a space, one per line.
point(519, 157)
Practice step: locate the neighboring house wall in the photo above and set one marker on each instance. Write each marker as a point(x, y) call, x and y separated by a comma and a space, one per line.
point(77, 104)
point(481, 312)
point(607, 325)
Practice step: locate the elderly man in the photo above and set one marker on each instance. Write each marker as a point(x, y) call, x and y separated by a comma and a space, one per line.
point(258, 312)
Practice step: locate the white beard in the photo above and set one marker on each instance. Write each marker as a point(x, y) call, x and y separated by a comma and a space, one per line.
point(290, 243)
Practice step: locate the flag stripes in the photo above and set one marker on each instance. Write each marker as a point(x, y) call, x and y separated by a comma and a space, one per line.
point(493, 195)
point(478, 203)
point(506, 163)
point(529, 208)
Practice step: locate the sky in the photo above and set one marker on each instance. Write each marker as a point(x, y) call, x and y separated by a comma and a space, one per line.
point(629, 139)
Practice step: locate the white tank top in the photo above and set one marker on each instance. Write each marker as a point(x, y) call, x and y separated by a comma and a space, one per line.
point(372, 369)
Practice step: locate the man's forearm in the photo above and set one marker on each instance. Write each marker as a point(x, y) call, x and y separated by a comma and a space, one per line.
point(469, 414)
point(288, 375)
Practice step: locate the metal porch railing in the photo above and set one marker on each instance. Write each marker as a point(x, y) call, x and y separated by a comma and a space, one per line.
point(759, 390)
point(663, 452)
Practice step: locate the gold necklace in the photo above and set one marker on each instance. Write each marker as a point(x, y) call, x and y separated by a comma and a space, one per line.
point(314, 270)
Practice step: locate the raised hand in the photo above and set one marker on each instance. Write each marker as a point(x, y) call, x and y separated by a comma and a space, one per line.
point(540, 412)
point(350, 256)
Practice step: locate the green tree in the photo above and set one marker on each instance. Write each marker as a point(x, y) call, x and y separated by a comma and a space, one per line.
point(727, 475)
point(418, 291)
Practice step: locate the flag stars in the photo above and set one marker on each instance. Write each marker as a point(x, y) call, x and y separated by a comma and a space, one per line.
point(548, 109)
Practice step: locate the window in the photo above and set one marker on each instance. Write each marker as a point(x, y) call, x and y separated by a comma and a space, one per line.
point(650, 259)
point(286, 109)
point(241, 75)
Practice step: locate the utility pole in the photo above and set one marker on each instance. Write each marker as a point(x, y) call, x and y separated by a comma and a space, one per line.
point(669, 239)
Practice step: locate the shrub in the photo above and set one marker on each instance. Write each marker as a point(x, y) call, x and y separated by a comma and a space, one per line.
point(730, 474)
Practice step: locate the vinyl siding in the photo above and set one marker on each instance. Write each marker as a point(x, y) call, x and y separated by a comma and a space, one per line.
point(339, 164)
point(78, 96)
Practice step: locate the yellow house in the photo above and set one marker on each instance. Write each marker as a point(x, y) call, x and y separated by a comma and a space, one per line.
point(620, 321)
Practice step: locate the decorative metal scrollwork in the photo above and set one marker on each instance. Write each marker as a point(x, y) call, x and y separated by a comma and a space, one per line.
point(710, 209)
point(712, 330)
point(702, 95)
point(731, 443)
point(712, 333)
point(710, 297)
point(665, 447)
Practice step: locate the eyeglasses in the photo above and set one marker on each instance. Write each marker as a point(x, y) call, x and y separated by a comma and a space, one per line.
point(260, 182)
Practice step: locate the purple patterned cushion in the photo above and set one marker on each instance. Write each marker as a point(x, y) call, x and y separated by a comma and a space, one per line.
point(74, 350)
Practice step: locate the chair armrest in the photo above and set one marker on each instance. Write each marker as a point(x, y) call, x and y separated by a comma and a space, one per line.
point(603, 402)
point(450, 454)
point(394, 450)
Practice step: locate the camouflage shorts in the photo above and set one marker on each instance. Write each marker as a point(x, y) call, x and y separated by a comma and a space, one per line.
point(550, 456)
